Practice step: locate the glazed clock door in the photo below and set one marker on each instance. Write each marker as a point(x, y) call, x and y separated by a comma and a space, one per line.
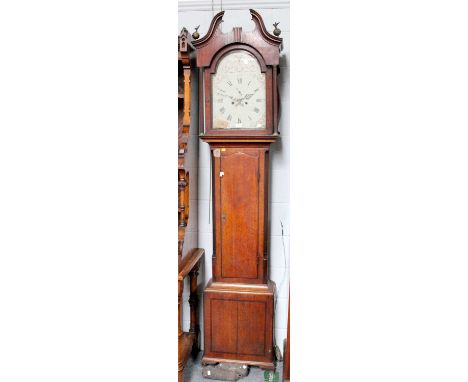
point(239, 213)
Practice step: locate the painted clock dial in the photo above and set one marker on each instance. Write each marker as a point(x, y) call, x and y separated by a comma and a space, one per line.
point(238, 97)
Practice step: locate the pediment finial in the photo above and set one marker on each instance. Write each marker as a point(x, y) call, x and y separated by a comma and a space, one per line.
point(195, 34)
point(276, 31)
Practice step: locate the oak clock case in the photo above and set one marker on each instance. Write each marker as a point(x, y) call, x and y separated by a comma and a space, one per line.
point(238, 118)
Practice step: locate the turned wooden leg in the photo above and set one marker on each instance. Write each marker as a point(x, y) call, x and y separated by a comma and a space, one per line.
point(181, 290)
point(193, 301)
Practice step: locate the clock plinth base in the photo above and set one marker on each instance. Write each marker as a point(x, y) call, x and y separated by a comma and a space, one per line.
point(238, 322)
point(262, 365)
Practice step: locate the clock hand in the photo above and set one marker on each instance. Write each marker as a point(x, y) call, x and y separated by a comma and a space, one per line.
point(225, 95)
point(251, 94)
point(239, 101)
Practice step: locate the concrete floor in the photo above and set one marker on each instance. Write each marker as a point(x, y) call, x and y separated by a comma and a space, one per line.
point(193, 372)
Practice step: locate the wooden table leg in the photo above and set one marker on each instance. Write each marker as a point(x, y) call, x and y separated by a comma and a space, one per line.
point(181, 290)
point(193, 301)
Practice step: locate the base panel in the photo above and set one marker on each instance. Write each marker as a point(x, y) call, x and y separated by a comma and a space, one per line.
point(239, 324)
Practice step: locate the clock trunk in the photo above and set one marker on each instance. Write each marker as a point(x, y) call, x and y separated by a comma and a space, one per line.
point(240, 179)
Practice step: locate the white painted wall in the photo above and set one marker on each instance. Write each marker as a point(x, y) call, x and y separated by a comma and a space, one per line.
point(192, 14)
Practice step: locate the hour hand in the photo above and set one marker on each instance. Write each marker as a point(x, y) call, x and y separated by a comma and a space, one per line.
point(248, 96)
point(225, 95)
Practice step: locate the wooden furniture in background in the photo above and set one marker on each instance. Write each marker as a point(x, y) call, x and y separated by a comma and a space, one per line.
point(184, 68)
point(239, 111)
point(189, 341)
point(189, 257)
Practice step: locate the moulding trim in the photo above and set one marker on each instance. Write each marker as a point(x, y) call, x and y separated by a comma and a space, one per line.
point(205, 5)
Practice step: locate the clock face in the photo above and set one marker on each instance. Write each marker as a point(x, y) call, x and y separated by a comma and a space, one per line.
point(238, 96)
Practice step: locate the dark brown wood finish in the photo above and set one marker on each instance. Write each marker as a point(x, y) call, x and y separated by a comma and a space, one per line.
point(239, 300)
point(216, 44)
point(265, 43)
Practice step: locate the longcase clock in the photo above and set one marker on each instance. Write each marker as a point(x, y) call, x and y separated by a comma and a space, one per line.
point(238, 116)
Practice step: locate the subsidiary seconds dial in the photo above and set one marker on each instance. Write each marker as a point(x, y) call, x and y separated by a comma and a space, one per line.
point(238, 94)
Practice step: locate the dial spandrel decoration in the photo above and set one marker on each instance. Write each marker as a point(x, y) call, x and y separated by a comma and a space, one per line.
point(238, 98)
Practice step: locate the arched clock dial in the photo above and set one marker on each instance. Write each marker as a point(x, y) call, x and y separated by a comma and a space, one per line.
point(238, 97)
